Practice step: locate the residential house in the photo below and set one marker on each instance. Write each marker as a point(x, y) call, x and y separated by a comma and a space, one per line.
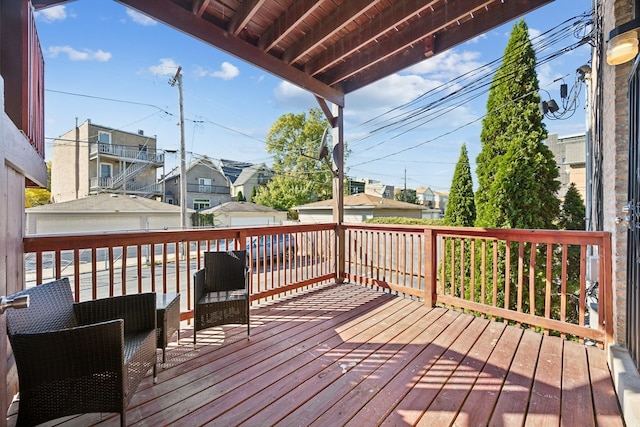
point(92, 159)
point(242, 214)
point(249, 178)
point(232, 168)
point(434, 200)
point(355, 186)
point(102, 213)
point(441, 198)
point(359, 208)
point(426, 197)
point(206, 185)
point(569, 153)
point(378, 189)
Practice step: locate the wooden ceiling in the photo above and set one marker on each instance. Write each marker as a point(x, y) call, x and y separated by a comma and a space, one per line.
point(330, 47)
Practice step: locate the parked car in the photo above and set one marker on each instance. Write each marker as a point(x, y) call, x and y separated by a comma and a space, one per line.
point(259, 248)
point(278, 246)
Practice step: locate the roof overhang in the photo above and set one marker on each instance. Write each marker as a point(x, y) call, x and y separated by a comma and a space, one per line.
point(328, 47)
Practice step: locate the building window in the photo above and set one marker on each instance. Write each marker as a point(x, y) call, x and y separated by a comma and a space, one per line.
point(205, 185)
point(201, 204)
point(104, 137)
point(106, 170)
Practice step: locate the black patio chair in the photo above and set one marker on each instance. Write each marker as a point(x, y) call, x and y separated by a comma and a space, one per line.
point(76, 358)
point(221, 291)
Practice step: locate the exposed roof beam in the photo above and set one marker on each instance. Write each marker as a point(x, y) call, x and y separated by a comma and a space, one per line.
point(448, 39)
point(199, 6)
point(243, 15)
point(184, 20)
point(42, 4)
point(379, 25)
point(287, 21)
point(333, 23)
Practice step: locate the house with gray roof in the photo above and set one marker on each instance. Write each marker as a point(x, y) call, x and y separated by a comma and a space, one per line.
point(242, 214)
point(359, 208)
point(102, 213)
point(251, 177)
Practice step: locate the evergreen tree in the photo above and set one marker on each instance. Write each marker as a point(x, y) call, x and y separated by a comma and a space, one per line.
point(517, 175)
point(572, 216)
point(461, 208)
point(240, 197)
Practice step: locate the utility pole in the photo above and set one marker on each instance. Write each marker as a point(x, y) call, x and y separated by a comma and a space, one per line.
point(405, 184)
point(183, 181)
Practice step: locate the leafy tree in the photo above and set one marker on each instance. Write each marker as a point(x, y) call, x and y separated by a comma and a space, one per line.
point(299, 177)
point(407, 195)
point(517, 175)
point(39, 196)
point(253, 194)
point(461, 208)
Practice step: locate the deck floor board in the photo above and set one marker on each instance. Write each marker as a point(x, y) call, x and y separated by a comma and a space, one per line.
point(349, 355)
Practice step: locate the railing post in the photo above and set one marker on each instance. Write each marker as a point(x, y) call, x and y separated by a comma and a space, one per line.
point(606, 291)
point(431, 267)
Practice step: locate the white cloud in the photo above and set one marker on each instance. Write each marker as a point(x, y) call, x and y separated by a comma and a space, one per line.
point(227, 71)
point(51, 14)
point(291, 96)
point(448, 65)
point(166, 67)
point(141, 19)
point(79, 55)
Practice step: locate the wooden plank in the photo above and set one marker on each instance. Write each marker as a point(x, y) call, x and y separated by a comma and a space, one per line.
point(576, 387)
point(544, 404)
point(444, 409)
point(253, 360)
point(403, 355)
point(480, 402)
point(606, 406)
point(338, 402)
point(511, 407)
point(309, 399)
point(429, 385)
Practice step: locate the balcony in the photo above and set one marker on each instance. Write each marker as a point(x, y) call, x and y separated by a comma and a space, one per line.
point(125, 152)
point(208, 189)
point(425, 332)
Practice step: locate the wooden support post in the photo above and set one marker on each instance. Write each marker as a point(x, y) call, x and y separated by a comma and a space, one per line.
point(431, 267)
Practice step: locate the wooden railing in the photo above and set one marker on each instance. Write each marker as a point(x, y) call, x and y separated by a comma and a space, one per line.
point(537, 278)
point(102, 265)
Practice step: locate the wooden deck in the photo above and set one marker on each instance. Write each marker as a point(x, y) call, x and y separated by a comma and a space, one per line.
point(348, 355)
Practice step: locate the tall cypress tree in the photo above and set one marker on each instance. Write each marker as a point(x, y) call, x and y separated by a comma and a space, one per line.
point(517, 175)
point(461, 208)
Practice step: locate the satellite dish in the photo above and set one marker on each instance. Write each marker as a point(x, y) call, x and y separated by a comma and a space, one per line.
point(323, 149)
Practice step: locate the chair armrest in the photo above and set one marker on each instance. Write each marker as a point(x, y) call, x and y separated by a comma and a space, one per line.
point(199, 287)
point(69, 353)
point(137, 310)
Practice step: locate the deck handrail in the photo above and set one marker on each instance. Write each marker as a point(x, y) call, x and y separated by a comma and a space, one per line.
point(467, 268)
point(108, 264)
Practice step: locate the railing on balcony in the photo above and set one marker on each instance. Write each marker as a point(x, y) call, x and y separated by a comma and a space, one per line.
point(103, 265)
point(126, 152)
point(142, 188)
point(536, 278)
point(209, 189)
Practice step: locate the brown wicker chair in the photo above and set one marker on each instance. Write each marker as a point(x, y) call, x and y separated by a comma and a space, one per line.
point(221, 291)
point(75, 358)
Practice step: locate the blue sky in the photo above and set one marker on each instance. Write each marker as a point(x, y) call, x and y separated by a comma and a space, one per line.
point(109, 64)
